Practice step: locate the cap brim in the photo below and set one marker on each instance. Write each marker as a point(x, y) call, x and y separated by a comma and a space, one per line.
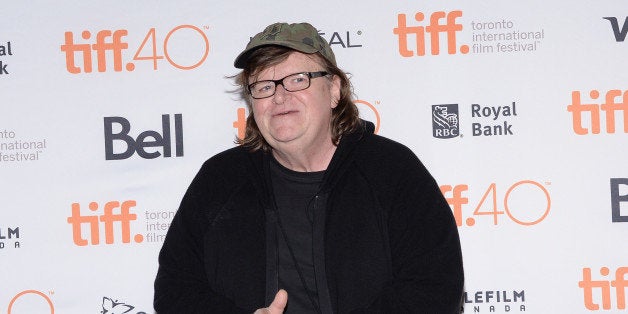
point(241, 60)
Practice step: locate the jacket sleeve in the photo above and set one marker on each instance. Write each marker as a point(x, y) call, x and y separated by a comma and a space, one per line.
point(426, 256)
point(181, 284)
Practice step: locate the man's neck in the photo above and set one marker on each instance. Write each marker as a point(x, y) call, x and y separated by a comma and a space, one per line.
point(306, 160)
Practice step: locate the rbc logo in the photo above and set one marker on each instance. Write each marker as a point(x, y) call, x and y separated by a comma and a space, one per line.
point(445, 121)
point(144, 139)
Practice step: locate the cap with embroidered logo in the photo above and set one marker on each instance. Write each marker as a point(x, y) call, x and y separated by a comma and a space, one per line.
point(302, 37)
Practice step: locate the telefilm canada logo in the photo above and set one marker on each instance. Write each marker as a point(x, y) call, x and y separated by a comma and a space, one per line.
point(494, 301)
point(9, 237)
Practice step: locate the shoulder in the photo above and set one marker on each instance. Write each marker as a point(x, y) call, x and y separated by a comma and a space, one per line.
point(389, 162)
point(227, 168)
point(220, 178)
point(382, 149)
point(230, 155)
point(231, 160)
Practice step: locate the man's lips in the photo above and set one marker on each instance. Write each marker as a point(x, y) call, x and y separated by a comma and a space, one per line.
point(283, 113)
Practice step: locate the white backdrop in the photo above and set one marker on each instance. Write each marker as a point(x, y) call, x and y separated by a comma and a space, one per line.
point(530, 179)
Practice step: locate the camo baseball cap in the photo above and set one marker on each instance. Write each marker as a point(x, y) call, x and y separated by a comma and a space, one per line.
point(302, 37)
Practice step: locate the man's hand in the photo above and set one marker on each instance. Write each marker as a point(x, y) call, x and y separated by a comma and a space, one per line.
point(278, 305)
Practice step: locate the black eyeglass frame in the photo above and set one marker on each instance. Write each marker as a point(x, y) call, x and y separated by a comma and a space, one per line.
point(310, 76)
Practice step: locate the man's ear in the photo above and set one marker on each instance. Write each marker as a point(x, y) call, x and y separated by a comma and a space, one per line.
point(335, 91)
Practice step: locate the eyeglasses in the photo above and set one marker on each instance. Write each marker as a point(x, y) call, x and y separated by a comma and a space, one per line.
point(292, 83)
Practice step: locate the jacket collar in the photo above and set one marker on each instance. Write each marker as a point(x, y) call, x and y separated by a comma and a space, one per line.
point(342, 156)
point(337, 166)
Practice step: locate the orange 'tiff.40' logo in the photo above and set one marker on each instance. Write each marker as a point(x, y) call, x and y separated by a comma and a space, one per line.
point(614, 100)
point(42, 306)
point(114, 214)
point(604, 286)
point(525, 202)
point(107, 47)
point(450, 27)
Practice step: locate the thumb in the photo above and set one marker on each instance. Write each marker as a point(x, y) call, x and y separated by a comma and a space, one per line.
point(279, 303)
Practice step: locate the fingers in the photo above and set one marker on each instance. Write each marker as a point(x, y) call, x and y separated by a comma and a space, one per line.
point(278, 305)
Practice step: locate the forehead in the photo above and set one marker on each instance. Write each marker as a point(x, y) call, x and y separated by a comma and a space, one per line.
point(294, 63)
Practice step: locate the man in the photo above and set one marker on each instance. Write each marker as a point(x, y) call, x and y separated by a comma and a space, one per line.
point(312, 212)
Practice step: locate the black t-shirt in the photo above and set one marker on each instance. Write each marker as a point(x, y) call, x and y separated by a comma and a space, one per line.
point(295, 196)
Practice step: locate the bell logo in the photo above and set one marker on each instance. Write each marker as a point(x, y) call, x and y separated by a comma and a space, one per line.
point(620, 283)
point(144, 139)
point(617, 199)
point(451, 27)
point(108, 219)
point(610, 105)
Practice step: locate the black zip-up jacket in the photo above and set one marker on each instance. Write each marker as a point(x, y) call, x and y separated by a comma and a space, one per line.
point(388, 242)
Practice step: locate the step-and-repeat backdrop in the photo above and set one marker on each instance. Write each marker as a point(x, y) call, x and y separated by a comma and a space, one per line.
point(518, 108)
